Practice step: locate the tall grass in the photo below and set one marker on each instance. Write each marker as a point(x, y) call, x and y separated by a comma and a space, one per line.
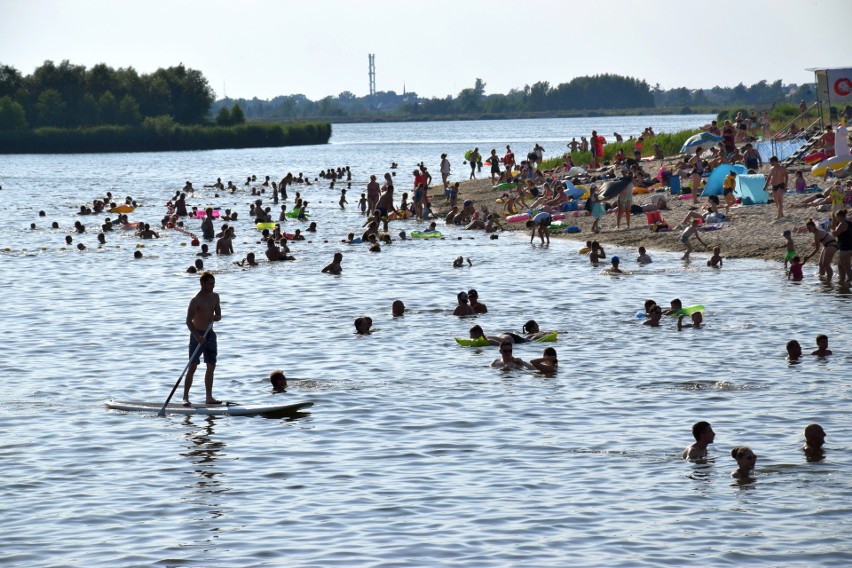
point(670, 144)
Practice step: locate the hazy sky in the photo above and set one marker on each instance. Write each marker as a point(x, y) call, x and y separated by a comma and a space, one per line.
point(256, 48)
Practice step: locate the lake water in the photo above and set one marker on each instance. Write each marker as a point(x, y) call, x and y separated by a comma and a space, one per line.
point(416, 453)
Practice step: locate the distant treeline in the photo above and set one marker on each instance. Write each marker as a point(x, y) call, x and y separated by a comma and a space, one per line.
point(68, 108)
point(582, 93)
point(582, 96)
point(760, 94)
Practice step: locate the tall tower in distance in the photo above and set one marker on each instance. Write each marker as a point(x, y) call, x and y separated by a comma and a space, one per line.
point(372, 73)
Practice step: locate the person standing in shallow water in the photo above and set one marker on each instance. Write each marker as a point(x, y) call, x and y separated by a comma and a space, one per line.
point(204, 309)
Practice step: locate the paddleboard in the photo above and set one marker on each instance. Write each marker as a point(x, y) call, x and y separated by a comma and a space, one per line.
point(211, 409)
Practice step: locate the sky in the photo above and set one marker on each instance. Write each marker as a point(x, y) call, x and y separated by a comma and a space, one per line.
point(263, 49)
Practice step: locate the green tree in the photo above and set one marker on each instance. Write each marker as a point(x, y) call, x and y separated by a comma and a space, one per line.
point(10, 81)
point(50, 108)
point(224, 117)
point(190, 94)
point(87, 111)
point(237, 115)
point(128, 111)
point(12, 115)
point(538, 96)
point(107, 109)
point(479, 88)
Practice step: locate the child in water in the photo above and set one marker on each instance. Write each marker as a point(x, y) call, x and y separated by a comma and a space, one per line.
point(362, 204)
point(795, 274)
point(822, 346)
point(715, 260)
point(696, 317)
point(690, 231)
point(342, 201)
point(790, 246)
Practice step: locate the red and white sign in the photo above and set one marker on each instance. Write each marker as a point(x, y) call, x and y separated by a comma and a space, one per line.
point(839, 84)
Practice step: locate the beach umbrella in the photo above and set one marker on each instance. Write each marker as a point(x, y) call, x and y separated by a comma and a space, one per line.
point(703, 139)
point(610, 189)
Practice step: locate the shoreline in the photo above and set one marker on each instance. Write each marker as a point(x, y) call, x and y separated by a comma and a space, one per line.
point(751, 231)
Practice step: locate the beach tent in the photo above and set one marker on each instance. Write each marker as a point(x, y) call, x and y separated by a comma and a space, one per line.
point(702, 139)
point(717, 178)
point(750, 189)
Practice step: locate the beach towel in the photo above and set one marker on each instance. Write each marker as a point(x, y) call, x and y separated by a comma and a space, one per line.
point(717, 178)
point(750, 189)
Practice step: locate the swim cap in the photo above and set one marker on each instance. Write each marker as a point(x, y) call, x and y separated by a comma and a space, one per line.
point(615, 259)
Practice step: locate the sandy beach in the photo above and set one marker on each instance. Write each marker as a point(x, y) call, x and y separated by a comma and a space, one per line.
point(752, 231)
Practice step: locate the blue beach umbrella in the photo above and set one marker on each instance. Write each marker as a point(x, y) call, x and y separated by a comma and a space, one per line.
point(703, 139)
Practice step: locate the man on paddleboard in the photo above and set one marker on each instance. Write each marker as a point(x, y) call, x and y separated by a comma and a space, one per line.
point(203, 310)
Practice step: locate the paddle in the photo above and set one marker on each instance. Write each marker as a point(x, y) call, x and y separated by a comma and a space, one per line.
point(162, 411)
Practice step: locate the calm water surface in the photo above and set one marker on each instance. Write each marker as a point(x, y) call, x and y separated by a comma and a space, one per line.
point(417, 453)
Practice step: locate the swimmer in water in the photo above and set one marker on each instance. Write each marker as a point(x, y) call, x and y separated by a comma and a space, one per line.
point(506, 361)
point(746, 459)
point(532, 331)
point(654, 314)
point(278, 380)
point(822, 346)
point(704, 436)
point(397, 308)
point(696, 317)
point(794, 351)
point(643, 257)
point(614, 269)
point(249, 260)
point(363, 325)
point(715, 260)
point(547, 363)
point(477, 333)
point(335, 267)
point(596, 253)
point(463, 308)
point(674, 306)
point(814, 439)
point(477, 306)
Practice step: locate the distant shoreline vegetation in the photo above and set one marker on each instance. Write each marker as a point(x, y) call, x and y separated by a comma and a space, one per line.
point(588, 96)
point(161, 136)
point(70, 109)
